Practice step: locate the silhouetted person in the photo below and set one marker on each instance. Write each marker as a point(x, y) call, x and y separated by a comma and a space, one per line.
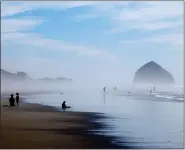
point(17, 99)
point(104, 89)
point(150, 91)
point(128, 93)
point(115, 88)
point(64, 106)
point(154, 88)
point(12, 100)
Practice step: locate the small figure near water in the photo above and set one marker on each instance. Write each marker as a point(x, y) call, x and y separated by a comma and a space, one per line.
point(12, 100)
point(128, 93)
point(64, 106)
point(17, 99)
point(115, 88)
point(154, 89)
point(104, 89)
point(150, 91)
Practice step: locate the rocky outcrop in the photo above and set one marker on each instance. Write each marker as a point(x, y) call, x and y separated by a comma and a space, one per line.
point(63, 79)
point(55, 79)
point(22, 76)
point(5, 75)
point(153, 73)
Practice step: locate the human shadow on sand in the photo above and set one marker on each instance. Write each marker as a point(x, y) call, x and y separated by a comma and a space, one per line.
point(6, 106)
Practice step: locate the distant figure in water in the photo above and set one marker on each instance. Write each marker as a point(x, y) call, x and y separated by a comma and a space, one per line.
point(150, 91)
point(12, 100)
point(154, 89)
point(128, 93)
point(104, 89)
point(17, 99)
point(104, 98)
point(64, 106)
point(115, 88)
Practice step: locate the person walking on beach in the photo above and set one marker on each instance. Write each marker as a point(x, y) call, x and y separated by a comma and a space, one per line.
point(150, 91)
point(12, 100)
point(115, 88)
point(104, 89)
point(17, 99)
point(154, 89)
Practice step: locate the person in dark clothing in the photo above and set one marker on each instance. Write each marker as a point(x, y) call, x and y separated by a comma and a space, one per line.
point(115, 88)
point(154, 89)
point(150, 91)
point(17, 99)
point(104, 89)
point(12, 100)
point(64, 106)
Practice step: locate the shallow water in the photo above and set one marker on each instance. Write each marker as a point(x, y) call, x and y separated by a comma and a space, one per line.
point(138, 119)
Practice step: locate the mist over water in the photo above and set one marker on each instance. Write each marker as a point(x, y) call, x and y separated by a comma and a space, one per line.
point(32, 86)
point(36, 85)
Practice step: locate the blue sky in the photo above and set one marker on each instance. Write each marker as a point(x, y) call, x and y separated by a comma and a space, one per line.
point(103, 42)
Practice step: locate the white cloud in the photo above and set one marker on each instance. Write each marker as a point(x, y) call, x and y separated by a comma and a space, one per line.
point(154, 16)
point(151, 17)
point(87, 16)
point(13, 8)
point(177, 40)
point(55, 45)
point(154, 11)
point(144, 16)
point(18, 25)
point(18, 30)
point(138, 15)
point(36, 67)
point(123, 15)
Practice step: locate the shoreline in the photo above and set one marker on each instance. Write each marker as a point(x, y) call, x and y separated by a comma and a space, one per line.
point(77, 125)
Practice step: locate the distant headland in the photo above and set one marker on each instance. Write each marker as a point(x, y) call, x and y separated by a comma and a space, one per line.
point(22, 76)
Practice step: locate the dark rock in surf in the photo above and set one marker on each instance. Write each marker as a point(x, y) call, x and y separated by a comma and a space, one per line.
point(153, 73)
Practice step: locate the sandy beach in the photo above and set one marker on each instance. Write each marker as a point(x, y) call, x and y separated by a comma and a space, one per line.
point(37, 126)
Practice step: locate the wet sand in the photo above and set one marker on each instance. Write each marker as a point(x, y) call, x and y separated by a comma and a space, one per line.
point(36, 126)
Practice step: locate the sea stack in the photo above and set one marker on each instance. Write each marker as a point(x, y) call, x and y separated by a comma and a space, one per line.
point(153, 73)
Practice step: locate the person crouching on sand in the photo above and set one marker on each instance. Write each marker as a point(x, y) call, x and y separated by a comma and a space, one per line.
point(17, 99)
point(64, 106)
point(12, 100)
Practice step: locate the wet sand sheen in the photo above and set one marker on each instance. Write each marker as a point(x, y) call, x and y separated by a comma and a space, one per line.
point(37, 126)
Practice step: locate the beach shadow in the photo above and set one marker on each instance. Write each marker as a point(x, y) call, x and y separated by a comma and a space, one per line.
point(6, 106)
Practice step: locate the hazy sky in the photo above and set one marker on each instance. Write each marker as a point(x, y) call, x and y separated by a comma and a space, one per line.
point(103, 42)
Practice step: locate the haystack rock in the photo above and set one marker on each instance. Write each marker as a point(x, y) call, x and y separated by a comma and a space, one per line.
point(153, 73)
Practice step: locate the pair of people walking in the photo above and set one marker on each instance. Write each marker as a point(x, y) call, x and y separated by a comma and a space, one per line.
point(12, 100)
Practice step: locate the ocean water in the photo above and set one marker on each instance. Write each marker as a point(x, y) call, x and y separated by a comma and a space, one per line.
point(138, 119)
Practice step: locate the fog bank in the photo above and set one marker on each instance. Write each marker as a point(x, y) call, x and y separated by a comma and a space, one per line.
point(36, 86)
